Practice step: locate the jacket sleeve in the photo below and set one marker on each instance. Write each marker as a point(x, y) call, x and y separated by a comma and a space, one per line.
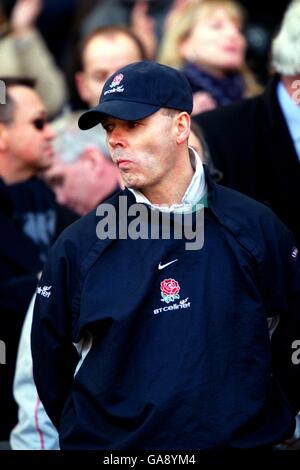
point(53, 353)
point(34, 430)
point(286, 338)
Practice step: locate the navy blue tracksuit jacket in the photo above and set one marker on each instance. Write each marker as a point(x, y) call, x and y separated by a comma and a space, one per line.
point(180, 355)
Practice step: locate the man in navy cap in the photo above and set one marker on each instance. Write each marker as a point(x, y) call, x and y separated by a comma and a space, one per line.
point(153, 343)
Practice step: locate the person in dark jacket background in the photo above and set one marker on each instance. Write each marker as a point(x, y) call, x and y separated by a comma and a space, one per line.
point(30, 220)
point(162, 342)
point(256, 143)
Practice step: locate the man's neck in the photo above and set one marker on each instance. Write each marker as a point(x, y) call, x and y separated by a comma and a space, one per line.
point(171, 190)
point(11, 175)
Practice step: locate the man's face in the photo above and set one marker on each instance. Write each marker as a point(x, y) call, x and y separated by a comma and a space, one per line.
point(102, 57)
point(144, 151)
point(27, 143)
point(70, 182)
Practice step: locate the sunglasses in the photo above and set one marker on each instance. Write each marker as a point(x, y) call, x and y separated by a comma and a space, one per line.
point(39, 123)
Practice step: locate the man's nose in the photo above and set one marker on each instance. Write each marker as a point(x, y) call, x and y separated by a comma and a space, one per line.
point(117, 138)
point(49, 132)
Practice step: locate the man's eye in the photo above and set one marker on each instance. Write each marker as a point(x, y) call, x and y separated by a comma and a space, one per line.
point(108, 127)
point(132, 124)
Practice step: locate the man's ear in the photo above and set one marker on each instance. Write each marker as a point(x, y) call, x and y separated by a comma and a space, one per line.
point(80, 81)
point(182, 127)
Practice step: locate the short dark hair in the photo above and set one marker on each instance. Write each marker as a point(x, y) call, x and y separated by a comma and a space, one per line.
point(107, 31)
point(170, 112)
point(7, 109)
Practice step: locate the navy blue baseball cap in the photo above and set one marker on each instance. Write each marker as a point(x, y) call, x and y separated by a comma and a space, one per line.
point(139, 90)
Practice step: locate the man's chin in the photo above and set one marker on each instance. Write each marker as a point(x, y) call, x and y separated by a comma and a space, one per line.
point(46, 164)
point(132, 184)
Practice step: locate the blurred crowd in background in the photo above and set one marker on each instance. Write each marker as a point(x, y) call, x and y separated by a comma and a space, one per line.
point(62, 25)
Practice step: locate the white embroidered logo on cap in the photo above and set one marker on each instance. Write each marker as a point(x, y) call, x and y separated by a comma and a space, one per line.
point(115, 85)
point(116, 81)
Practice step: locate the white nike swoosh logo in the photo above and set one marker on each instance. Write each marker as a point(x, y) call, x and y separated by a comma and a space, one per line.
point(162, 266)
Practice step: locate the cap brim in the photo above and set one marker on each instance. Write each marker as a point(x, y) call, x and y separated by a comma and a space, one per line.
point(125, 110)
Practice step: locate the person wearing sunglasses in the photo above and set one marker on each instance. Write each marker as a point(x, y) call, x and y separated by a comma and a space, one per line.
point(26, 137)
point(29, 216)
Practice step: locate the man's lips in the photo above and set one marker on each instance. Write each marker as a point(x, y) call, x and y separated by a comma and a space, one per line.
point(123, 163)
point(48, 149)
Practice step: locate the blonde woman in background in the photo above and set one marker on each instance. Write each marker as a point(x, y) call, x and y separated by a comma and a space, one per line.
point(205, 40)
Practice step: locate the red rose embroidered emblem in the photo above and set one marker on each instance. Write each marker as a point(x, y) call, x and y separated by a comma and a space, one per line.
point(116, 81)
point(169, 290)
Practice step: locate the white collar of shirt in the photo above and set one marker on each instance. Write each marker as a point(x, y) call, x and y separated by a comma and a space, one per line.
point(194, 193)
point(291, 113)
